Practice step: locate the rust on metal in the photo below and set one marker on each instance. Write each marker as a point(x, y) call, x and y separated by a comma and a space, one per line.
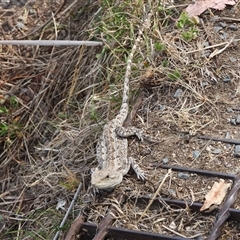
point(104, 230)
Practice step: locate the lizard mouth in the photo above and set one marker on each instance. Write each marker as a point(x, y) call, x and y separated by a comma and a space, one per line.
point(108, 186)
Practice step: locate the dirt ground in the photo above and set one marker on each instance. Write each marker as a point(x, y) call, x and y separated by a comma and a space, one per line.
point(55, 149)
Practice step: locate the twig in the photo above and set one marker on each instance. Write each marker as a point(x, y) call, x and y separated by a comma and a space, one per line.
point(50, 42)
point(213, 46)
point(227, 19)
point(156, 193)
point(224, 140)
point(216, 52)
point(171, 230)
point(68, 211)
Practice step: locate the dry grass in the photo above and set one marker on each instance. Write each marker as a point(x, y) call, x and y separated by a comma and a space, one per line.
point(55, 101)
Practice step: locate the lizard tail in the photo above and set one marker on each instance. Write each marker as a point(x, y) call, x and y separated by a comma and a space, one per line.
point(125, 100)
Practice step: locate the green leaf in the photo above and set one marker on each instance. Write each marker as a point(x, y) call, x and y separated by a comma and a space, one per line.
point(175, 75)
point(160, 46)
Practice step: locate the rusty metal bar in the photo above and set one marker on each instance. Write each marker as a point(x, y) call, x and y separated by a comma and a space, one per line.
point(194, 206)
point(90, 229)
point(200, 172)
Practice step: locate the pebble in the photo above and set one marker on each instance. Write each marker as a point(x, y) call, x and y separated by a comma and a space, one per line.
point(229, 110)
point(233, 121)
point(217, 29)
point(232, 59)
point(226, 79)
point(196, 154)
point(204, 83)
point(184, 176)
point(238, 119)
point(217, 151)
point(172, 192)
point(207, 53)
point(178, 93)
point(165, 160)
point(237, 151)
point(224, 35)
point(161, 107)
point(228, 136)
point(206, 44)
point(222, 24)
point(172, 225)
point(208, 148)
point(20, 25)
point(233, 27)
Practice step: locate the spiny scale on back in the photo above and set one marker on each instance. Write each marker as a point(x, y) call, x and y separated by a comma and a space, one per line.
point(111, 148)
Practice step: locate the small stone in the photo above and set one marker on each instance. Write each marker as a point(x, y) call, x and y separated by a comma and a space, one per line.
point(217, 29)
point(237, 151)
point(233, 121)
point(224, 35)
point(172, 192)
point(204, 83)
point(206, 44)
point(20, 25)
point(161, 107)
point(178, 93)
point(207, 53)
point(208, 149)
point(165, 160)
point(227, 79)
point(232, 59)
point(228, 136)
point(217, 151)
point(184, 176)
point(229, 110)
point(222, 24)
point(196, 154)
point(172, 225)
point(233, 27)
point(238, 119)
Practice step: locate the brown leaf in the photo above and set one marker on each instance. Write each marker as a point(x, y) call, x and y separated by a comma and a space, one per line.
point(216, 195)
point(200, 6)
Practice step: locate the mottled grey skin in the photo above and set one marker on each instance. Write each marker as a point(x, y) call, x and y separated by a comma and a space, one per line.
point(112, 154)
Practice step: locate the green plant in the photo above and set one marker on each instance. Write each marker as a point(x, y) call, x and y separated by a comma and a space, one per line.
point(9, 125)
point(160, 46)
point(174, 75)
point(188, 27)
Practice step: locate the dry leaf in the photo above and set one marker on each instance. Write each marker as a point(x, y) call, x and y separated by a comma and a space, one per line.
point(216, 195)
point(200, 6)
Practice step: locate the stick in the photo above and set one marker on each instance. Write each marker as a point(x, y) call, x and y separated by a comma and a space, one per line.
point(156, 193)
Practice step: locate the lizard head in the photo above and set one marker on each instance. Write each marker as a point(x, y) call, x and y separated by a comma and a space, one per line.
point(106, 179)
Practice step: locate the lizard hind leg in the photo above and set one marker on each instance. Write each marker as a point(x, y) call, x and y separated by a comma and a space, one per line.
point(140, 173)
point(131, 131)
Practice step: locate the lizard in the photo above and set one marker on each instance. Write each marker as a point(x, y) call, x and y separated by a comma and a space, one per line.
point(112, 146)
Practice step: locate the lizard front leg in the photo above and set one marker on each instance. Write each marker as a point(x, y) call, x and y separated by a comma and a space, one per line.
point(140, 173)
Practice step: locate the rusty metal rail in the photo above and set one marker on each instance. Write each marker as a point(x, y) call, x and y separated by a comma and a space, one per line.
point(104, 230)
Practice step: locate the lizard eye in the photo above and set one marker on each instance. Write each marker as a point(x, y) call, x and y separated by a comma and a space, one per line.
point(107, 176)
